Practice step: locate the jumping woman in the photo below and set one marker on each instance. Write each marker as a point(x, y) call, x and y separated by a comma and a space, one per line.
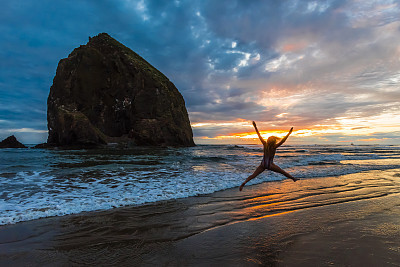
point(267, 162)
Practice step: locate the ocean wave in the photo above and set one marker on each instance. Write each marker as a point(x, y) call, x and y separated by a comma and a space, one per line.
point(57, 183)
point(210, 158)
point(75, 195)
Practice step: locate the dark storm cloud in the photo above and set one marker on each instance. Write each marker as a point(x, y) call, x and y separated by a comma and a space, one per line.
point(228, 58)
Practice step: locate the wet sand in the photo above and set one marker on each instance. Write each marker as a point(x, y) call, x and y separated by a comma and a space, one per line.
point(351, 220)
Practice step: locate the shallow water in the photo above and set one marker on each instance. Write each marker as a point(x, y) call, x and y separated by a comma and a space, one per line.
point(38, 183)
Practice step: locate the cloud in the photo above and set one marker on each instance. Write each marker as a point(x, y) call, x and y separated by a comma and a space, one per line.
point(232, 60)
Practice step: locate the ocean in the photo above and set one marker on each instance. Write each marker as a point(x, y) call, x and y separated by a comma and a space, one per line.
point(38, 183)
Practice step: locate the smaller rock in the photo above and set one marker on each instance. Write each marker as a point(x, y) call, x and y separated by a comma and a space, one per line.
point(43, 145)
point(11, 142)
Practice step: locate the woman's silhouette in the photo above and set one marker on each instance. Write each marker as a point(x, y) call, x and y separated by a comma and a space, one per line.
point(268, 160)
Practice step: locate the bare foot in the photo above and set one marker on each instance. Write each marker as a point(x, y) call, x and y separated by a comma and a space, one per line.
point(241, 187)
point(295, 179)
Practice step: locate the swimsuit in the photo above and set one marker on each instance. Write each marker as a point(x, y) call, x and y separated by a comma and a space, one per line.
point(266, 162)
point(268, 158)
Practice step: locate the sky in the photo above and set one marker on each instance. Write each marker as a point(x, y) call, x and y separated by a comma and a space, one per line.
point(330, 69)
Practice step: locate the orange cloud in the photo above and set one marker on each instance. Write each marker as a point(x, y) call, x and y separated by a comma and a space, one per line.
point(293, 45)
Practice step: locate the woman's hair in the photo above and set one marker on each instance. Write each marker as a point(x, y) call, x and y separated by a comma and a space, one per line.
point(272, 141)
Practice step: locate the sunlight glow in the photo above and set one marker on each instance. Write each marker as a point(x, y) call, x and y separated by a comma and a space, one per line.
point(342, 129)
point(264, 134)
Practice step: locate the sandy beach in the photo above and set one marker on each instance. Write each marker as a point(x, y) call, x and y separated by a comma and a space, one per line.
point(351, 220)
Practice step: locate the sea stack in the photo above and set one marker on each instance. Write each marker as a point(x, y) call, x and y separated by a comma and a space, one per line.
point(106, 93)
point(11, 142)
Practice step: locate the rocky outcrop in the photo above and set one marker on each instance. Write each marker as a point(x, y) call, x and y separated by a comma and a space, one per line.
point(11, 142)
point(106, 93)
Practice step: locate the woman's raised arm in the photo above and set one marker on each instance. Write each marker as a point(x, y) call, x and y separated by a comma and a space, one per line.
point(258, 133)
point(284, 138)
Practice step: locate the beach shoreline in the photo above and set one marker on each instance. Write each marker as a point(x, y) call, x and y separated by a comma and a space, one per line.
point(344, 220)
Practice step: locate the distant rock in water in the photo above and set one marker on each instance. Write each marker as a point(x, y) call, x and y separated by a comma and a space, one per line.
point(11, 142)
point(106, 93)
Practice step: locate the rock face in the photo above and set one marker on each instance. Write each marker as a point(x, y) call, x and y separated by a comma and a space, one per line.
point(11, 142)
point(106, 93)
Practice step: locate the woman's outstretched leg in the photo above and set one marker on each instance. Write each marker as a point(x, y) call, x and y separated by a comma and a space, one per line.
point(277, 169)
point(259, 170)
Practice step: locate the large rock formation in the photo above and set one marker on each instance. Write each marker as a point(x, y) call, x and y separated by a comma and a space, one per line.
point(106, 93)
point(11, 142)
